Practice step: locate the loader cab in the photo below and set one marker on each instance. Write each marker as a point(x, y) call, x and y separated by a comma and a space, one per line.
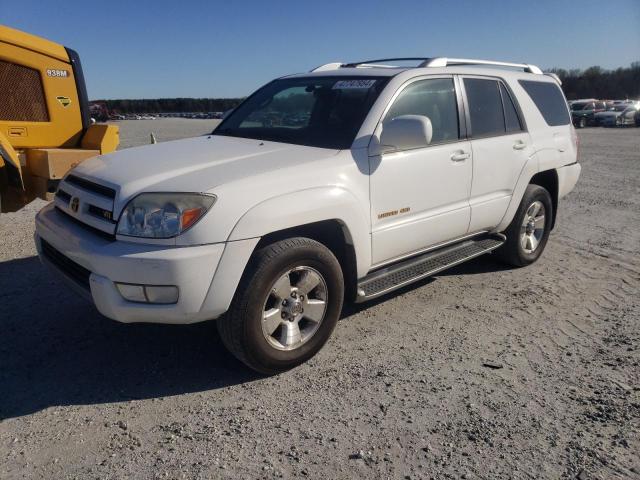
point(43, 99)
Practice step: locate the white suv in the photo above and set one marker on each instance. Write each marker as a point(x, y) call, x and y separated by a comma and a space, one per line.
point(346, 182)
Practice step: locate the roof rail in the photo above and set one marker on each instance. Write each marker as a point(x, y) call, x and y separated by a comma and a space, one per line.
point(427, 62)
point(327, 66)
point(555, 77)
point(445, 62)
point(380, 62)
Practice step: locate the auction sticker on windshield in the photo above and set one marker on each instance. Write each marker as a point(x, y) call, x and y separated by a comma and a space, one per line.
point(344, 84)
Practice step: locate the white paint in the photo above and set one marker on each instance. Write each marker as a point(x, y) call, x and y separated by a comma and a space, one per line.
point(449, 190)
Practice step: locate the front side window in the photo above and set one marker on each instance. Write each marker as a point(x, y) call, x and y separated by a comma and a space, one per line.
point(324, 112)
point(435, 99)
point(485, 107)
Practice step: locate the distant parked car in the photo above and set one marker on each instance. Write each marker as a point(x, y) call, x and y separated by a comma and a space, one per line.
point(583, 113)
point(618, 116)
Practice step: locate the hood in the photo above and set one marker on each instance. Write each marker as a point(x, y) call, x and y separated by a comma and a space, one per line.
point(193, 165)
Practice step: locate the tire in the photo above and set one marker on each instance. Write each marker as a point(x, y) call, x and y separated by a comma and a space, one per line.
point(582, 123)
point(522, 233)
point(279, 274)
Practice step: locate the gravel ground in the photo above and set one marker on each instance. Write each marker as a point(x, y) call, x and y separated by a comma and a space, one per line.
point(134, 133)
point(406, 388)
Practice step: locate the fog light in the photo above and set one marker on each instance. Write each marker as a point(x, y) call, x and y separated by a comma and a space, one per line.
point(163, 294)
point(133, 293)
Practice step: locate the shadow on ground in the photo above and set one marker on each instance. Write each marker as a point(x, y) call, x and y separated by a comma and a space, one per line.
point(56, 349)
point(482, 264)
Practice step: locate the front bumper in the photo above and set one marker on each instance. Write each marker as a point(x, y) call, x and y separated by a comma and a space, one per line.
point(191, 269)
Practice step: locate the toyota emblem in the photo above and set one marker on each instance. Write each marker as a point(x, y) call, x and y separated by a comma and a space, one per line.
point(75, 203)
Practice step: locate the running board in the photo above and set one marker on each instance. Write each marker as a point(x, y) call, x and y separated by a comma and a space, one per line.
point(407, 271)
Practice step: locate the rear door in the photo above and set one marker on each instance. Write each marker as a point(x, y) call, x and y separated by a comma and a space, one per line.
point(500, 146)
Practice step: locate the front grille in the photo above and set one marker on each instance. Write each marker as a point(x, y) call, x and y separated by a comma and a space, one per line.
point(88, 203)
point(63, 195)
point(91, 186)
point(76, 272)
point(21, 96)
point(101, 213)
point(107, 236)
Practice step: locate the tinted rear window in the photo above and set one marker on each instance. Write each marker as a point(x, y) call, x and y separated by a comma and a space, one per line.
point(549, 100)
point(485, 107)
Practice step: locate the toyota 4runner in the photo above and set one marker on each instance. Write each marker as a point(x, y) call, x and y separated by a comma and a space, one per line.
point(346, 182)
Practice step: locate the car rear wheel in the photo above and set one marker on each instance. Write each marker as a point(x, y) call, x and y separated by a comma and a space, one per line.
point(529, 230)
point(286, 306)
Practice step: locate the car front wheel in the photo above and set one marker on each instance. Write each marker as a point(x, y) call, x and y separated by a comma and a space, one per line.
point(286, 306)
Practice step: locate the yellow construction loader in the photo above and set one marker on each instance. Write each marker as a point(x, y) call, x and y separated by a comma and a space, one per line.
point(45, 127)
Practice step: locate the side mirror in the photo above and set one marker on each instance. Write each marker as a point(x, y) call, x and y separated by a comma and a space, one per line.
point(406, 132)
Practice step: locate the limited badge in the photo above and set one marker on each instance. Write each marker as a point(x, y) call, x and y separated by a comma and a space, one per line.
point(64, 101)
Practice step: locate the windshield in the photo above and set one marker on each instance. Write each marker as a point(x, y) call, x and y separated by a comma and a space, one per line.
point(619, 108)
point(579, 106)
point(324, 112)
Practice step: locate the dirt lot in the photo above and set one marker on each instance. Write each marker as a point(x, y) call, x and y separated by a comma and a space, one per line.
point(399, 392)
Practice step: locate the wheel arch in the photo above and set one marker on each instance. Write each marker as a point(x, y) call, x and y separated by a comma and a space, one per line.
point(548, 180)
point(308, 211)
point(333, 234)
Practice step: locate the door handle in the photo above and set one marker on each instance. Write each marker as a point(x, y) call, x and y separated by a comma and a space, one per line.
point(460, 156)
point(519, 145)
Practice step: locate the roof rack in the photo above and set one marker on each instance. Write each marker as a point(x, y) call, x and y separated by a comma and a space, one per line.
point(445, 62)
point(379, 63)
point(426, 62)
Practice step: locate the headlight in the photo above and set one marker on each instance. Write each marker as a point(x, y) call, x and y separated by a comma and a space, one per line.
point(163, 215)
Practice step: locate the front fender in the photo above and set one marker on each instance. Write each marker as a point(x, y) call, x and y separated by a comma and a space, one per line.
point(308, 206)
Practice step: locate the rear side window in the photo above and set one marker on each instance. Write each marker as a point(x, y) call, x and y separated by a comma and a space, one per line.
point(511, 120)
point(549, 100)
point(485, 107)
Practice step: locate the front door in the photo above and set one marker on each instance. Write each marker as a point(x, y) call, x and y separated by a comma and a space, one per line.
point(420, 197)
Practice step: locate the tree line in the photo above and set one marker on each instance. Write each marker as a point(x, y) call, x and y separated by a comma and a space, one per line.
point(172, 105)
point(594, 82)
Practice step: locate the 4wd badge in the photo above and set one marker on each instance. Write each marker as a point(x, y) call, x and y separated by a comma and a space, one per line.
point(64, 101)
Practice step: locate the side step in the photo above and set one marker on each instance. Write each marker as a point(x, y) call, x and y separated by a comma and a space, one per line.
point(404, 272)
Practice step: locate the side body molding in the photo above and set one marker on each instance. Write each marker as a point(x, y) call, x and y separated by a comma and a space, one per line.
point(308, 206)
